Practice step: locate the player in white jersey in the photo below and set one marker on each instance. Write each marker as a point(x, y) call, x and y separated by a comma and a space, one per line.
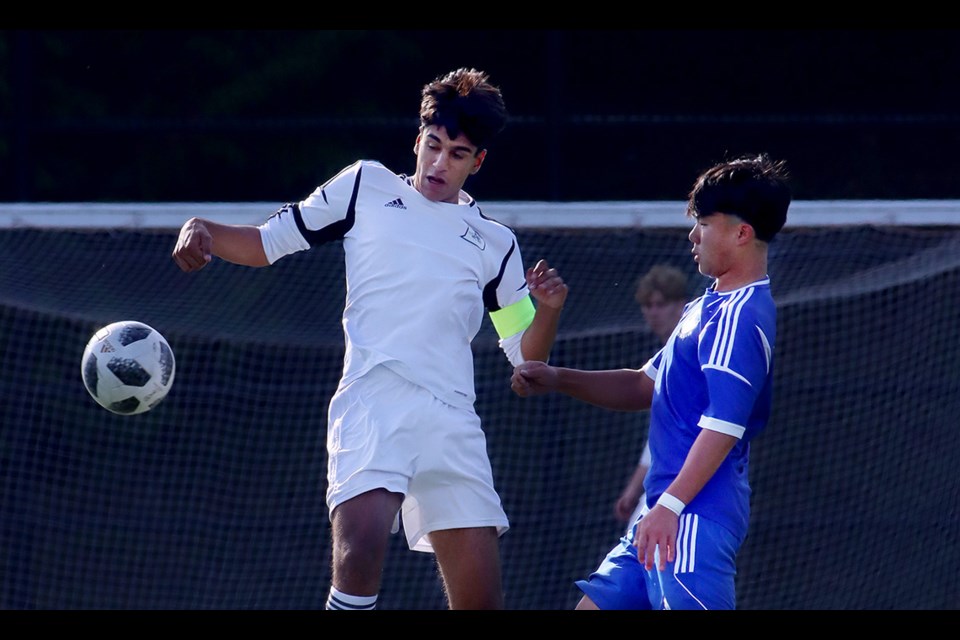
point(423, 264)
point(709, 391)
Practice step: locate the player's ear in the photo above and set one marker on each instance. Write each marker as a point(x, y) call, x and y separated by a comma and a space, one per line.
point(746, 233)
point(416, 145)
point(478, 161)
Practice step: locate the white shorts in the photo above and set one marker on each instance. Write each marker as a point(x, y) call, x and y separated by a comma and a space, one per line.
point(386, 432)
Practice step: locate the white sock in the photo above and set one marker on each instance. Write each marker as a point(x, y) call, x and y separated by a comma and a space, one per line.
point(338, 600)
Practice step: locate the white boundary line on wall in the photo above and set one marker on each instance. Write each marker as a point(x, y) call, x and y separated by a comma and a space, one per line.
point(519, 214)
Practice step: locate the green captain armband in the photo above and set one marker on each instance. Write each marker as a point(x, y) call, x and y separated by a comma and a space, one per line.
point(513, 319)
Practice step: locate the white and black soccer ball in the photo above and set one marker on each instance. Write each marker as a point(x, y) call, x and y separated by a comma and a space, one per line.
point(128, 367)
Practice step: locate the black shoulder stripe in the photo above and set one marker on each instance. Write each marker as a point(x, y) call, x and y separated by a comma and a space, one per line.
point(336, 230)
point(490, 291)
point(291, 208)
point(486, 217)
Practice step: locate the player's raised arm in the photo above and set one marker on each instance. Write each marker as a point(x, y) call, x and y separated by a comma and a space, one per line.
point(201, 239)
point(550, 291)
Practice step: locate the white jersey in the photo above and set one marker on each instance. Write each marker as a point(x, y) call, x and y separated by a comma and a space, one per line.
point(419, 273)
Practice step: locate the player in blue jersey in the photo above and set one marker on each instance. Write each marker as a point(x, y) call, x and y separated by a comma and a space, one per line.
point(662, 294)
point(709, 391)
point(422, 265)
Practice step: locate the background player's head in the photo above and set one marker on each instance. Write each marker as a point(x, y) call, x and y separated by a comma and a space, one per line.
point(662, 294)
point(460, 115)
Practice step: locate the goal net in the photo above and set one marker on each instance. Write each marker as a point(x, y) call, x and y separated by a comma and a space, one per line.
point(215, 499)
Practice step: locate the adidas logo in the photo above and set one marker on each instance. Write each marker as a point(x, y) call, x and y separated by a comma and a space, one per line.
point(398, 203)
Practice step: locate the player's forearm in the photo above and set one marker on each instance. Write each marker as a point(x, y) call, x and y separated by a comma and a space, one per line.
point(706, 455)
point(634, 487)
point(240, 244)
point(635, 484)
point(616, 389)
point(538, 339)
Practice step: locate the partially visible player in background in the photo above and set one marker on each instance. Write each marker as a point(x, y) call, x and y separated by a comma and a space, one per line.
point(709, 391)
point(422, 265)
point(662, 294)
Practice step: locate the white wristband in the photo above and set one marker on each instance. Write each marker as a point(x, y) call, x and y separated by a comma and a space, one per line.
point(674, 504)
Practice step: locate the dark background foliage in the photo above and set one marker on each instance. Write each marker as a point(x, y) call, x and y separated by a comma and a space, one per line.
point(597, 114)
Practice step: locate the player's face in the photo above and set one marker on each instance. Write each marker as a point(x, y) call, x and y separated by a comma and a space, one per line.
point(444, 164)
point(714, 239)
point(661, 314)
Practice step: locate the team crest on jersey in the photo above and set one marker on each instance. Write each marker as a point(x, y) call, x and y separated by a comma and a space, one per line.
point(473, 237)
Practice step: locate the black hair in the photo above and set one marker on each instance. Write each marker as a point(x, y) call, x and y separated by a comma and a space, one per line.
point(464, 101)
point(753, 188)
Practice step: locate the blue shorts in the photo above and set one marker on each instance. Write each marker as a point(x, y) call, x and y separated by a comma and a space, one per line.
point(700, 577)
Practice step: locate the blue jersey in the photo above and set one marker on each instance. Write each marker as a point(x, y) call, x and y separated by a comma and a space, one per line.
point(715, 372)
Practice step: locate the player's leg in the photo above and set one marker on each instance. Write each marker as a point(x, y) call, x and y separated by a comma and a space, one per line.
point(586, 604)
point(469, 561)
point(452, 507)
point(367, 477)
point(360, 531)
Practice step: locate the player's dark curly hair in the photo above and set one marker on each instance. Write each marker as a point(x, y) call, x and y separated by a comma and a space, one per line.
point(464, 101)
point(753, 188)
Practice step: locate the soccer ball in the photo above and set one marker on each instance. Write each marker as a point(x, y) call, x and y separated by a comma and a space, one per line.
point(128, 367)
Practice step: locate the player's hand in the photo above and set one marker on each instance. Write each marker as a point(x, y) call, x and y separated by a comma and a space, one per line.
point(194, 246)
point(533, 378)
point(546, 285)
point(658, 528)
